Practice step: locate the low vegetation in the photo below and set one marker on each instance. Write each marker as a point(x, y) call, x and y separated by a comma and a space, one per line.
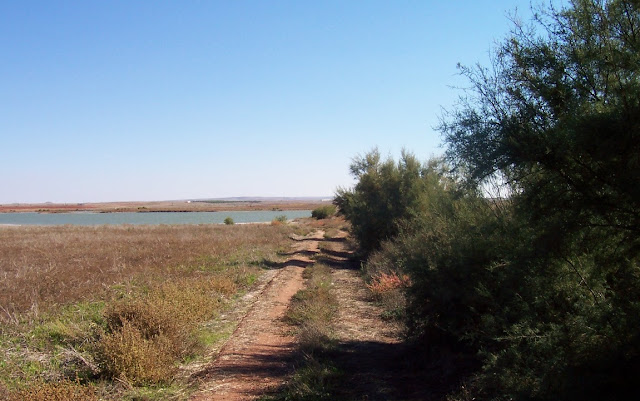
point(63, 390)
point(388, 289)
point(146, 334)
point(311, 313)
point(312, 309)
point(50, 266)
point(280, 219)
point(116, 311)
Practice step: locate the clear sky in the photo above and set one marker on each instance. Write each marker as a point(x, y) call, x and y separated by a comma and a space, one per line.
point(162, 100)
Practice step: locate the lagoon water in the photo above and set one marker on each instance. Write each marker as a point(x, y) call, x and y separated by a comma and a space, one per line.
point(91, 219)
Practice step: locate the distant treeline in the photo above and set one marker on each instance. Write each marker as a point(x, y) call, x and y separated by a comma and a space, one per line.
point(519, 252)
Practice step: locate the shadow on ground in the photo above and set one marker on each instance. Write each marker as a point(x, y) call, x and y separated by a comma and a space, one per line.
point(374, 370)
point(338, 259)
point(274, 361)
point(301, 260)
point(350, 264)
point(378, 371)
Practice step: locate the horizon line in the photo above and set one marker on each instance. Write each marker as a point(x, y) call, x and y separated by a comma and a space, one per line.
point(225, 198)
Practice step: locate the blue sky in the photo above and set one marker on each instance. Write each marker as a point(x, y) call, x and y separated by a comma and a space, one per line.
point(160, 100)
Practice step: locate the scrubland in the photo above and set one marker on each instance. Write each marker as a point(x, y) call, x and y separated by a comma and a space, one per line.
point(114, 311)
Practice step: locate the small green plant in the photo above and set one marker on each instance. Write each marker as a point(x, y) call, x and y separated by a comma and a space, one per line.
point(229, 221)
point(315, 380)
point(323, 212)
point(281, 219)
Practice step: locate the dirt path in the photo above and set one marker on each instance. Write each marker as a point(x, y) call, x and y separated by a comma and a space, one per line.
point(258, 356)
point(370, 350)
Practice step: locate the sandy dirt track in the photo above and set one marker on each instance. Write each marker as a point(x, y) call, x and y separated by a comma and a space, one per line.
point(258, 356)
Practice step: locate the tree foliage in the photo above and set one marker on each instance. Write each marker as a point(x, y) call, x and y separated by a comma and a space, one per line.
point(536, 296)
point(559, 115)
point(323, 212)
point(385, 194)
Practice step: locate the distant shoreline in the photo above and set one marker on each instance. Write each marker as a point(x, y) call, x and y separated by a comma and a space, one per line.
point(183, 206)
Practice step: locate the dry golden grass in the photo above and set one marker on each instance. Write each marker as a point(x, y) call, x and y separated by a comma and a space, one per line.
point(64, 390)
point(116, 302)
point(133, 357)
point(146, 334)
point(42, 267)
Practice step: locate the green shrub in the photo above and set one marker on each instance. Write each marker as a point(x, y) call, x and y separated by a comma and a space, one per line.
point(386, 194)
point(562, 135)
point(323, 212)
point(228, 221)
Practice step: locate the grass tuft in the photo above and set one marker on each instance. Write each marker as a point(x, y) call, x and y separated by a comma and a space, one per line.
point(316, 304)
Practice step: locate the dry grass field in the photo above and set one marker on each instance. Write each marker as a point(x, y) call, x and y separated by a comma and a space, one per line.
point(118, 308)
point(45, 266)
